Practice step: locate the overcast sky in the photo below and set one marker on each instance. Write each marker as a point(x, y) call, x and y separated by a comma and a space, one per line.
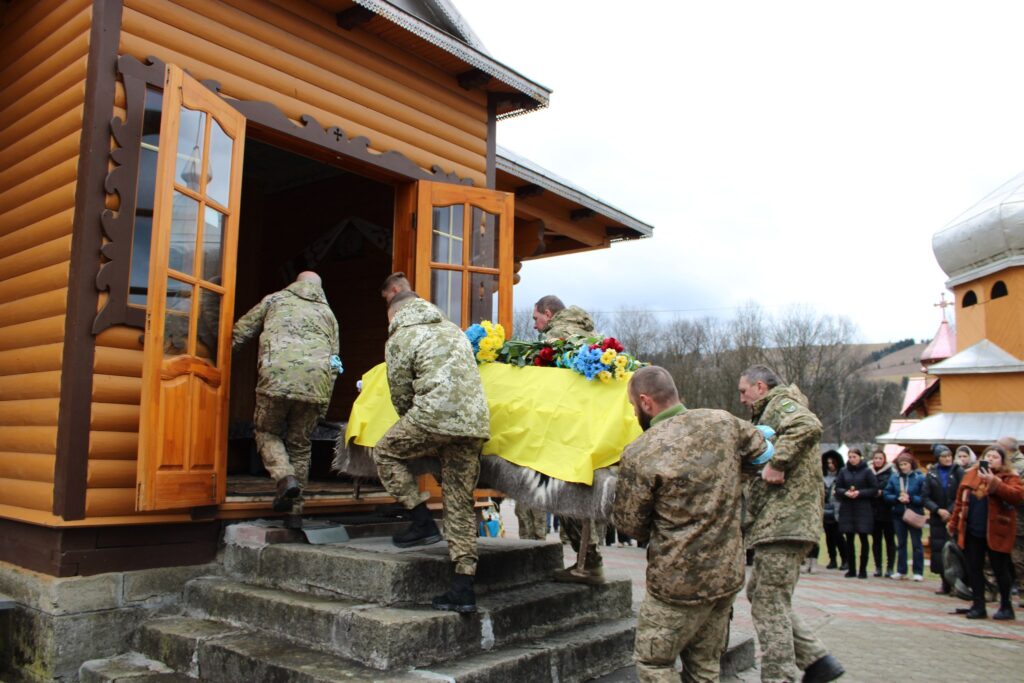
point(786, 152)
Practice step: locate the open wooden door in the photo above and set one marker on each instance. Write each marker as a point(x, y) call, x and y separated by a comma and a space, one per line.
point(464, 251)
point(187, 357)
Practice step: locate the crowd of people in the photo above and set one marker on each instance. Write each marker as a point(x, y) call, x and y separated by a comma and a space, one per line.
point(969, 505)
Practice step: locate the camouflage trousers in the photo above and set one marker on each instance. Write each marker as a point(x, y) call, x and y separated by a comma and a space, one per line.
point(283, 428)
point(1018, 563)
point(574, 532)
point(533, 524)
point(460, 469)
point(697, 633)
point(788, 645)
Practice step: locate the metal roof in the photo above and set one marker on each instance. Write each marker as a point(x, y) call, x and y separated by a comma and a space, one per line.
point(534, 174)
point(981, 358)
point(942, 346)
point(958, 428)
point(917, 388)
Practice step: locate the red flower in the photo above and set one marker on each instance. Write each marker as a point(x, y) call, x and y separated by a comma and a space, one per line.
point(537, 360)
point(611, 343)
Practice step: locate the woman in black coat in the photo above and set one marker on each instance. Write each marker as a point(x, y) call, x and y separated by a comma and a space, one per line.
point(855, 487)
point(883, 529)
point(940, 486)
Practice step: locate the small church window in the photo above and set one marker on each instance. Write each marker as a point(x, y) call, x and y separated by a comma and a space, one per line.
point(970, 298)
point(999, 289)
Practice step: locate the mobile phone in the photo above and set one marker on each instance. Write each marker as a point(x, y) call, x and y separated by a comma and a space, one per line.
point(983, 465)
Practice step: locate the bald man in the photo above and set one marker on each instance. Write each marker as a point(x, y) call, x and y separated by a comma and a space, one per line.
point(298, 335)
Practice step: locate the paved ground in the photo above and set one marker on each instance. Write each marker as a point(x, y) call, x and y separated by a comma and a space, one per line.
point(881, 630)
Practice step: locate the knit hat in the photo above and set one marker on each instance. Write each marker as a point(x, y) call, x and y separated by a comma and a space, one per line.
point(939, 449)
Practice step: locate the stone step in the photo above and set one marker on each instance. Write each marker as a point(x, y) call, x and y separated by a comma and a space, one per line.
point(219, 653)
point(131, 667)
point(387, 638)
point(374, 570)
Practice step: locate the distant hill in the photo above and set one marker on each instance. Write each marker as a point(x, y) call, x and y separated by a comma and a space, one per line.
point(893, 366)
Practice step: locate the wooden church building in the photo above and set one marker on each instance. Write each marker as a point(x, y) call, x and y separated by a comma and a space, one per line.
point(164, 165)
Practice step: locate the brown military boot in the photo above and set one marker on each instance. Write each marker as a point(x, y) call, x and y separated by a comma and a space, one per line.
point(288, 489)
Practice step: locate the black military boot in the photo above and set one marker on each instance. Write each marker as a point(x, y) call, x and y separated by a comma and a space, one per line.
point(977, 611)
point(293, 521)
point(288, 489)
point(823, 670)
point(1005, 611)
point(422, 531)
point(460, 598)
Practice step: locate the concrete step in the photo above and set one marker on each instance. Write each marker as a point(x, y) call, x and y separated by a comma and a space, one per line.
point(374, 570)
point(387, 638)
point(219, 653)
point(131, 667)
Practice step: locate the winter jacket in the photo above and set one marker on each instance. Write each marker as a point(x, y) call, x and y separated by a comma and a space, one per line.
point(937, 496)
point(1004, 494)
point(881, 507)
point(790, 511)
point(914, 484)
point(569, 322)
point(432, 373)
point(298, 335)
point(856, 515)
point(831, 513)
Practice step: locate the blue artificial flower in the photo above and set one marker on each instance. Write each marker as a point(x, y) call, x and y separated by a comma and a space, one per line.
point(475, 333)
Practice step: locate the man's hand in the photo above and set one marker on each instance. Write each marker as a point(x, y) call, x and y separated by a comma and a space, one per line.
point(944, 514)
point(772, 475)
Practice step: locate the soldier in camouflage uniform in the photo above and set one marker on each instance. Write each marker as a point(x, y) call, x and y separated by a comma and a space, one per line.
point(298, 335)
point(783, 522)
point(679, 487)
point(553, 320)
point(533, 523)
point(437, 392)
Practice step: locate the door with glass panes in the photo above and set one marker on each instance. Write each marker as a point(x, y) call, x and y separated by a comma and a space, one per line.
point(464, 252)
point(187, 357)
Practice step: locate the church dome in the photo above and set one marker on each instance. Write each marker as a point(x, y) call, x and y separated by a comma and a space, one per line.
point(986, 238)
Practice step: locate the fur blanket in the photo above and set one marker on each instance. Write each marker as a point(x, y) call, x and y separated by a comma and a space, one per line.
point(521, 483)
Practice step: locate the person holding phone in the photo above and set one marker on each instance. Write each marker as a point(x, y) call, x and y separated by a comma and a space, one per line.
point(984, 521)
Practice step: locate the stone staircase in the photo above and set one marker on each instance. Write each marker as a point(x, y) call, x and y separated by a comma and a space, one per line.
point(359, 611)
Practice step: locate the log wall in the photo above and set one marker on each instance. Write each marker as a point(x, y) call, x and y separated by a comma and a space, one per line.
point(43, 55)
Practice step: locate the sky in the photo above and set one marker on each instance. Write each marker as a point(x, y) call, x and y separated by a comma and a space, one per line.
point(786, 153)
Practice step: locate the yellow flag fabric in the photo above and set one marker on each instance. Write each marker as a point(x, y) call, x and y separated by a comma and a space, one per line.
point(548, 419)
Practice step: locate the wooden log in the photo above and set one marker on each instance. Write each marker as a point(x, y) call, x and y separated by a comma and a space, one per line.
point(35, 495)
point(122, 362)
point(17, 110)
point(29, 439)
point(49, 111)
point(35, 412)
point(37, 209)
point(43, 182)
point(35, 333)
point(121, 337)
point(33, 26)
point(302, 59)
point(17, 362)
point(113, 445)
point(31, 385)
point(416, 149)
point(26, 172)
point(27, 466)
point(67, 32)
point(22, 241)
point(42, 280)
point(111, 474)
point(36, 307)
point(114, 417)
point(391, 63)
point(112, 389)
point(24, 148)
point(43, 71)
point(37, 257)
point(109, 502)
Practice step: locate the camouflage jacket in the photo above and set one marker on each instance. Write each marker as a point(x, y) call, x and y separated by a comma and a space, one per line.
point(1017, 462)
point(298, 335)
point(432, 373)
point(680, 486)
point(568, 322)
point(790, 511)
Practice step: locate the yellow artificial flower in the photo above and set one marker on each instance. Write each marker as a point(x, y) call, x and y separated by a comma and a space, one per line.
point(499, 330)
point(487, 356)
point(621, 362)
point(608, 357)
point(619, 373)
point(486, 344)
point(488, 327)
point(604, 376)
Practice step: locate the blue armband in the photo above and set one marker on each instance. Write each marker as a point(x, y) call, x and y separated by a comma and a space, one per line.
point(769, 434)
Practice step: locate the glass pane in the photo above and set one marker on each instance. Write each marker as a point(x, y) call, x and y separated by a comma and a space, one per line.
point(446, 293)
point(483, 240)
point(213, 243)
point(177, 317)
point(218, 179)
point(184, 217)
point(138, 283)
point(189, 163)
point(208, 327)
point(483, 292)
point(447, 242)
